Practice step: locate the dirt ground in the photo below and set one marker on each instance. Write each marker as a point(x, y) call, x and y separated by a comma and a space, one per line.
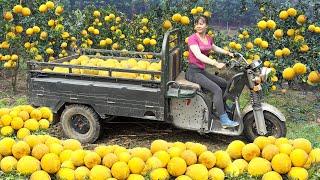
point(142, 134)
point(6, 93)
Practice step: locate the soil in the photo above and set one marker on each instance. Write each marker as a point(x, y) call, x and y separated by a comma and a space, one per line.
point(6, 84)
point(139, 134)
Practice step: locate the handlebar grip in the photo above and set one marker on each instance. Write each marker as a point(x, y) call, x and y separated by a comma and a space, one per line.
point(237, 54)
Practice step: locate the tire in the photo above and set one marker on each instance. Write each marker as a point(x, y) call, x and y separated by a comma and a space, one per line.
point(275, 127)
point(81, 122)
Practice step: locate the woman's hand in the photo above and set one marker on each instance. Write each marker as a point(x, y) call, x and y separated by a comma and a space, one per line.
point(230, 54)
point(220, 65)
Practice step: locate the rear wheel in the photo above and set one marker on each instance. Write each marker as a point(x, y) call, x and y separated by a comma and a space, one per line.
point(275, 127)
point(81, 122)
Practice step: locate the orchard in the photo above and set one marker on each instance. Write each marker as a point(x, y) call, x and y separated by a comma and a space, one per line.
point(284, 36)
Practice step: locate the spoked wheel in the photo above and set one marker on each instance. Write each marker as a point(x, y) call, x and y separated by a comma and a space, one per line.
point(275, 127)
point(81, 122)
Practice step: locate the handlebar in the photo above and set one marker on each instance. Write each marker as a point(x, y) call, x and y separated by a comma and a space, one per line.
point(236, 61)
point(241, 57)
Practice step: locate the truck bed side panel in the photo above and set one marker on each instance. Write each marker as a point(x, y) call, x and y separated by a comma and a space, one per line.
point(107, 98)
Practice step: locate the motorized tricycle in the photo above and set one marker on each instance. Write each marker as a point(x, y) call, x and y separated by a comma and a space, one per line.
point(83, 101)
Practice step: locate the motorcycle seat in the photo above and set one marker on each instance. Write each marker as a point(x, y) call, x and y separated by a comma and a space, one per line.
point(185, 84)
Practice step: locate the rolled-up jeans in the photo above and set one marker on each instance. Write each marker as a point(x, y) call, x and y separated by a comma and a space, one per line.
point(213, 83)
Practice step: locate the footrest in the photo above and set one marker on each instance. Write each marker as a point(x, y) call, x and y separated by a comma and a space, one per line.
point(180, 93)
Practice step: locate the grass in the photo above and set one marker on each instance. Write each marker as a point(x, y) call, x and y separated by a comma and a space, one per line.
point(300, 109)
point(309, 130)
point(10, 100)
point(14, 175)
point(314, 174)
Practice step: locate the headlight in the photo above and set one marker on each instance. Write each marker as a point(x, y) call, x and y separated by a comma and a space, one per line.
point(257, 80)
point(264, 73)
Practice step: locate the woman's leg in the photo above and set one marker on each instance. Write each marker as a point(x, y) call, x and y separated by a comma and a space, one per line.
point(218, 80)
point(214, 88)
point(203, 81)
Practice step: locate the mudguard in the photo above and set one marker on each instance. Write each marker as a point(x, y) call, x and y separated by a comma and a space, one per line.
point(265, 107)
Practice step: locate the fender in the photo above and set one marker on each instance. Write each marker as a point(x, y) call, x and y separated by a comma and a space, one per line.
point(57, 106)
point(265, 107)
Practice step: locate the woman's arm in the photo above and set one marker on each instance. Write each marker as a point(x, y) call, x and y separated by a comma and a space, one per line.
point(220, 50)
point(203, 58)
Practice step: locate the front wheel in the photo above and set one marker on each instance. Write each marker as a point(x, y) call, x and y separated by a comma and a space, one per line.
point(81, 122)
point(275, 127)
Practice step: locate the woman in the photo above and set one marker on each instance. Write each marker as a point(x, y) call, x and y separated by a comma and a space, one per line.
point(200, 44)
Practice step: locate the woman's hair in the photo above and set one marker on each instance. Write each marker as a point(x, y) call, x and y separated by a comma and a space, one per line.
point(203, 18)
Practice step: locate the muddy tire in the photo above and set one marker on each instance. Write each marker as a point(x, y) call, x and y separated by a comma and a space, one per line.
point(275, 127)
point(81, 122)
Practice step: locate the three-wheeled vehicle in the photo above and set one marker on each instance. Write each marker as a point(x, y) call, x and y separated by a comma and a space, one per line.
point(82, 101)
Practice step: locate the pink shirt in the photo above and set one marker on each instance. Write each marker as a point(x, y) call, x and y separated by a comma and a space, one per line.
point(204, 48)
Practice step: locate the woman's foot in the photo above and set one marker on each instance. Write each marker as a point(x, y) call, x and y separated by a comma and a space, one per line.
point(226, 122)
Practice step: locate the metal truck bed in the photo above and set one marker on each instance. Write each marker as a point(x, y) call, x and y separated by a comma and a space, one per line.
point(108, 96)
